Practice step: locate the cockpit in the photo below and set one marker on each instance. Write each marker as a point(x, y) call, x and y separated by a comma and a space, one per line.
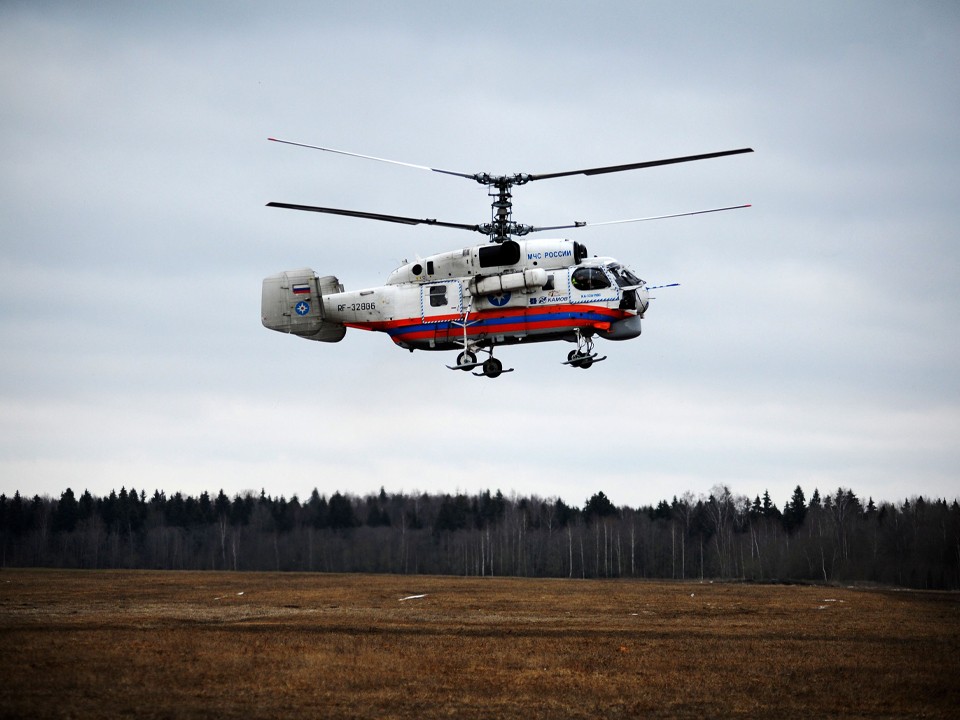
point(597, 278)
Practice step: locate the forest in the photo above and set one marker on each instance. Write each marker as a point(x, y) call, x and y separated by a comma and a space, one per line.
point(835, 538)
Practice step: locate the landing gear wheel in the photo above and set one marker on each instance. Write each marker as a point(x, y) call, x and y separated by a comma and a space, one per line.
point(575, 358)
point(466, 358)
point(492, 367)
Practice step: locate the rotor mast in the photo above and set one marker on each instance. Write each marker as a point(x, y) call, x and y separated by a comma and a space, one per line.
point(501, 225)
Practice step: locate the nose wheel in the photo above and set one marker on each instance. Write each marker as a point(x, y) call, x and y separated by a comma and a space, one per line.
point(578, 359)
point(584, 356)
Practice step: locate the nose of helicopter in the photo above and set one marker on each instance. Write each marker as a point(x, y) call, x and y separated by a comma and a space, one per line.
point(643, 299)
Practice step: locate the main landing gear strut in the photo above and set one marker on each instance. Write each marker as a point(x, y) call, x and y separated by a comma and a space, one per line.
point(467, 360)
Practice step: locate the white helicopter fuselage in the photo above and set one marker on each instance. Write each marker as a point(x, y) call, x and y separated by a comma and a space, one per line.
point(478, 297)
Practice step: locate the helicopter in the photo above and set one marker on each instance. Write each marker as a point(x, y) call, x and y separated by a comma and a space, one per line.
point(508, 291)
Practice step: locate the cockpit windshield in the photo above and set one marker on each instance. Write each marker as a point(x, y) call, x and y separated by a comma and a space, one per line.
point(623, 276)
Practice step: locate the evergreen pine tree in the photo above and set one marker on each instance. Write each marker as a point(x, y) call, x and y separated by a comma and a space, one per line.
point(67, 512)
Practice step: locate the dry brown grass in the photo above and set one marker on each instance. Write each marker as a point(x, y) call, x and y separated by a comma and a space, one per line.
point(165, 644)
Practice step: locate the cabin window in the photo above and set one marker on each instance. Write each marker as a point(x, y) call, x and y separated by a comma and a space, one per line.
point(589, 278)
point(438, 296)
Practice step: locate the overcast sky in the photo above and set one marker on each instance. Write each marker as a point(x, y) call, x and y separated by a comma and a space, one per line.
point(814, 340)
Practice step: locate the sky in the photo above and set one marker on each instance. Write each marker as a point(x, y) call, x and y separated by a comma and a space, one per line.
point(813, 340)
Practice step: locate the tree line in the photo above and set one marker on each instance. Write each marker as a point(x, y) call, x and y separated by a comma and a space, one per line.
point(833, 538)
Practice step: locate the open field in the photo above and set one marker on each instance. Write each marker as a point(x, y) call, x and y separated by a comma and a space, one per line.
point(168, 644)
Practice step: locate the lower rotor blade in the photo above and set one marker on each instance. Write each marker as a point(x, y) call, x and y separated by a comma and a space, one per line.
point(376, 216)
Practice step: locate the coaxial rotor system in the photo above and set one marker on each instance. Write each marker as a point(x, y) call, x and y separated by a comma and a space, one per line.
point(502, 226)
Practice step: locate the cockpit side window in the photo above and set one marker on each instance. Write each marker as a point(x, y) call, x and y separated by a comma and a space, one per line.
point(623, 276)
point(589, 278)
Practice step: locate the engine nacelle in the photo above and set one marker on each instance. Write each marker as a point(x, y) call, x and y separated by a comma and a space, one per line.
point(292, 302)
point(521, 280)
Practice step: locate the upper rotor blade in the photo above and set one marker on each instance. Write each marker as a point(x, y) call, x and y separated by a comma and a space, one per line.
point(376, 216)
point(578, 224)
point(636, 166)
point(371, 157)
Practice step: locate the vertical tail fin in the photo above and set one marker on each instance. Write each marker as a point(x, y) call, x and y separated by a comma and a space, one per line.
point(292, 302)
